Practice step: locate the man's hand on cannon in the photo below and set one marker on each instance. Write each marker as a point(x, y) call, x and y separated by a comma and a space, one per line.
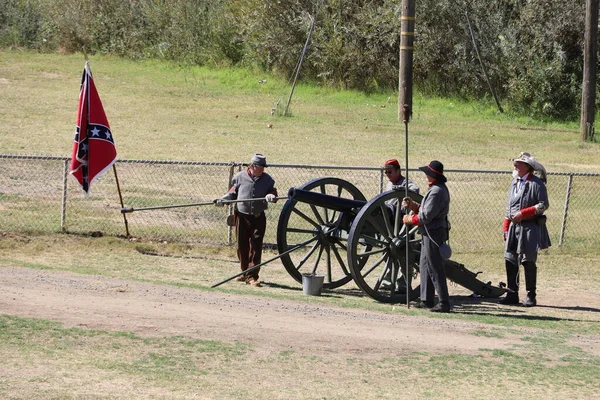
point(219, 202)
point(407, 219)
point(271, 198)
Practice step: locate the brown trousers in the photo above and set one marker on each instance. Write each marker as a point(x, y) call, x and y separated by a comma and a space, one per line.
point(250, 232)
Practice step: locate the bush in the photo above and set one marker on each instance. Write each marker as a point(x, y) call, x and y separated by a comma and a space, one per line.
point(532, 49)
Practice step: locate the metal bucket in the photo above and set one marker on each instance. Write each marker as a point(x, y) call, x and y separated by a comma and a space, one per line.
point(312, 284)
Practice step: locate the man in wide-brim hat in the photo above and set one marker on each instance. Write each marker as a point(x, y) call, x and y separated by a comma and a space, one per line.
point(524, 229)
point(432, 218)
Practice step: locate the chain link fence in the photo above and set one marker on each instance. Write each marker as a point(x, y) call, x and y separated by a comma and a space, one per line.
point(38, 196)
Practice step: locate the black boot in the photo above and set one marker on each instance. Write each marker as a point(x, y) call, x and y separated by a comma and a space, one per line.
point(442, 307)
point(423, 304)
point(530, 283)
point(530, 300)
point(512, 277)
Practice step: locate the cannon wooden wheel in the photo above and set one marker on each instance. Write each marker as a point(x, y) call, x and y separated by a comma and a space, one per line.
point(320, 234)
point(377, 250)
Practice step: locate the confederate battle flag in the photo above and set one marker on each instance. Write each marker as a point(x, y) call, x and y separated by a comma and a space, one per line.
point(94, 149)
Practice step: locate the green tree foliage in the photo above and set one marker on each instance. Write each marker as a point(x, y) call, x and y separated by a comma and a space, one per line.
point(532, 49)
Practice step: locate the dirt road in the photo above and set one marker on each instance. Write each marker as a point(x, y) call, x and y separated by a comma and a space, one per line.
point(160, 310)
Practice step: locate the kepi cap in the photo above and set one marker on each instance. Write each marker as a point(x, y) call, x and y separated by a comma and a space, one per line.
point(392, 163)
point(259, 160)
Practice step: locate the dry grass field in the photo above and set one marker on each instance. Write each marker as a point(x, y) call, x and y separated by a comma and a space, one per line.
point(86, 317)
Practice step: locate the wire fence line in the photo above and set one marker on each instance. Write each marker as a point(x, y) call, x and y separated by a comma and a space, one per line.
point(37, 196)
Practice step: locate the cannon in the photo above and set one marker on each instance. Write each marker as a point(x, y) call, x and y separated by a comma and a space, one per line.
point(327, 227)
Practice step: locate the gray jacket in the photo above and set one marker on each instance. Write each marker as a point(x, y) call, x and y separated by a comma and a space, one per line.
point(246, 186)
point(529, 236)
point(402, 183)
point(435, 207)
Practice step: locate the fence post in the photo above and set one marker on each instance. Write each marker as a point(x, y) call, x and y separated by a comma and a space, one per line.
point(230, 228)
point(63, 211)
point(381, 181)
point(566, 210)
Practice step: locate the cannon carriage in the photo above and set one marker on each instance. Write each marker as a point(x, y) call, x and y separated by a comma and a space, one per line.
point(327, 227)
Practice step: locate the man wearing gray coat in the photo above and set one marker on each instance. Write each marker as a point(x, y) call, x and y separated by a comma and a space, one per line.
point(432, 218)
point(524, 228)
point(250, 219)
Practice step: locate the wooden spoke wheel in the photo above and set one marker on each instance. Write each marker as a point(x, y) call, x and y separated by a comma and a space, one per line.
point(318, 234)
point(377, 250)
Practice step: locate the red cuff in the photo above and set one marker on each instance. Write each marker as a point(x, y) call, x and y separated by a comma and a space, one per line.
point(528, 212)
point(415, 220)
point(506, 225)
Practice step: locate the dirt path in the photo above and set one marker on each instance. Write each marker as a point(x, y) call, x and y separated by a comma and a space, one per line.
point(94, 302)
point(156, 310)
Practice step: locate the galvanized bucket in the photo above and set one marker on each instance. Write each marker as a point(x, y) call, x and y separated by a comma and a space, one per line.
point(312, 284)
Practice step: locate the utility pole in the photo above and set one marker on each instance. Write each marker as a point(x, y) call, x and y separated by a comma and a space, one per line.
point(405, 74)
point(590, 58)
point(405, 85)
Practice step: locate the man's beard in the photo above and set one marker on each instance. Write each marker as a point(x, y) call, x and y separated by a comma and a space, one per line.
point(515, 173)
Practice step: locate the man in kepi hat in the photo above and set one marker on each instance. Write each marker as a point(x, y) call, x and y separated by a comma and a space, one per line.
point(432, 218)
point(524, 228)
point(392, 171)
point(250, 220)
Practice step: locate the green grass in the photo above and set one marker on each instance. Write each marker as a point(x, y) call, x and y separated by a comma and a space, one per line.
point(180, 367)
point(163, 111)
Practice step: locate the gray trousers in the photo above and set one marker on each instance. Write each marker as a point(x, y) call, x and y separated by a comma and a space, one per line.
point(431, 266)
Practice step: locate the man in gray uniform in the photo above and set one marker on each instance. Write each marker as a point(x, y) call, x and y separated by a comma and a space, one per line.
point(391, 169)
point(250, 220)
point(524, 228)
point(432, 218)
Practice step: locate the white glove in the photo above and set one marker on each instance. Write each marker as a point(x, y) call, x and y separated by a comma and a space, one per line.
point(219, 203)
point(270, 198)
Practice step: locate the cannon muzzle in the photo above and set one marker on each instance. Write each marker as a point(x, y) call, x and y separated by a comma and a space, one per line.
point(324, 200)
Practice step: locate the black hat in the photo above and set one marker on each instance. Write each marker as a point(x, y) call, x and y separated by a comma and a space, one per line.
point(435, 169)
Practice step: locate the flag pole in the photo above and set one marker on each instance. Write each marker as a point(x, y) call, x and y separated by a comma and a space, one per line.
point(121, 199)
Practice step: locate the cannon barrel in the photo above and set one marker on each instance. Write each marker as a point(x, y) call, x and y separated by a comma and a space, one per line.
point(324, 200)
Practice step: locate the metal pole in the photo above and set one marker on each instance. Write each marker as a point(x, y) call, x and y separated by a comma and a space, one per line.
point(126, 210)
point(230, 228)
point(406, 113)
point(487, 79)
point(566, 210)
point(266, 262)
point(63, 213)
point(312, 26)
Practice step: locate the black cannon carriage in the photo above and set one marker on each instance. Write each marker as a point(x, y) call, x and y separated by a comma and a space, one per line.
point(327, 227)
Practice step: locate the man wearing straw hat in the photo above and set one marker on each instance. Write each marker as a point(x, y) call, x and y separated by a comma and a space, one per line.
point(250, 220)
point(524, 229)
point(432, 218)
